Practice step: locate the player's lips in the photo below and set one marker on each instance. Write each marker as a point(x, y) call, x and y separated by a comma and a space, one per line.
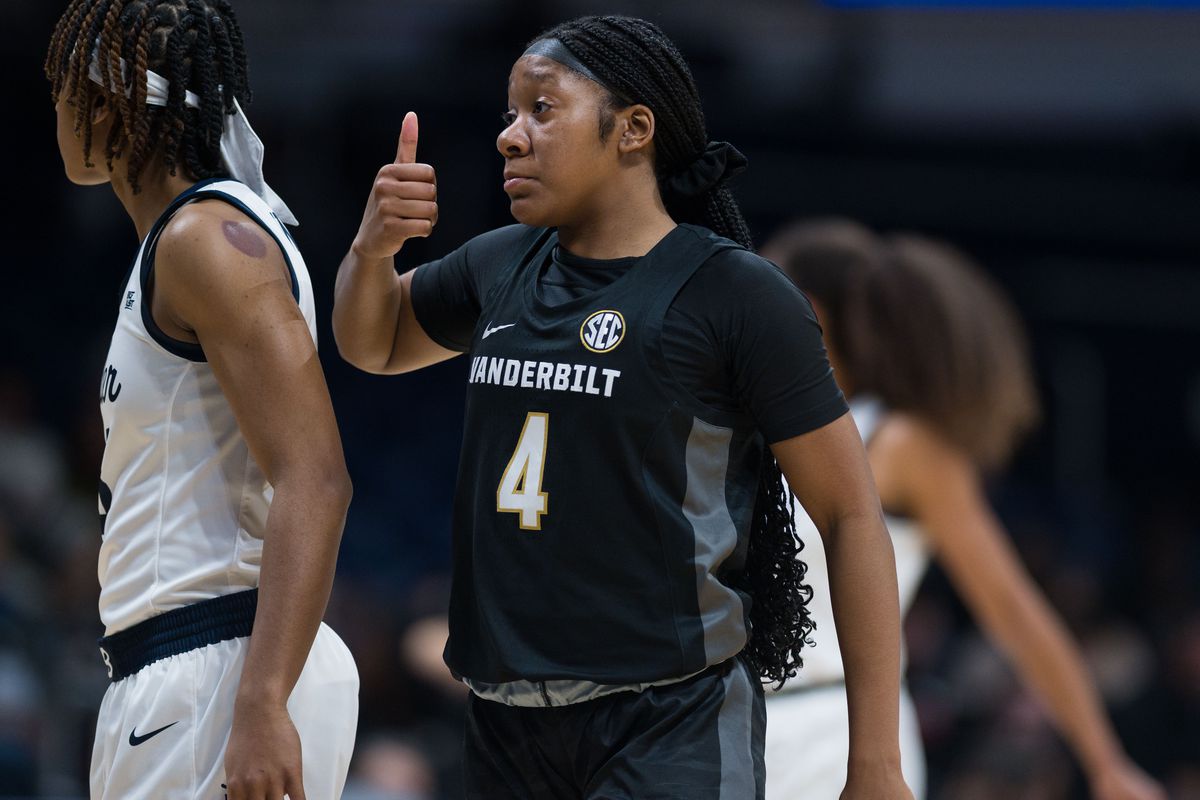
point(514, 181)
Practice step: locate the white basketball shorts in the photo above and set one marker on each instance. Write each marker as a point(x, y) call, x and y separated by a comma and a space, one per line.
point(808, 743)
point(162, 731)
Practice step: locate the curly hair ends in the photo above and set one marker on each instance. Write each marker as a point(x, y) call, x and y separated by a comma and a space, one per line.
point(780, 621)
point(195, 44)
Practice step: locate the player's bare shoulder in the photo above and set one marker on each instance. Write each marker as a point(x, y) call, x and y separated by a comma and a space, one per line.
point(211, 260)
point(910, 460)
point(215, 231)
point(211, 244)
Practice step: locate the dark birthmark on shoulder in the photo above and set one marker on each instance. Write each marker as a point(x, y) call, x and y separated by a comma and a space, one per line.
point(244, 238)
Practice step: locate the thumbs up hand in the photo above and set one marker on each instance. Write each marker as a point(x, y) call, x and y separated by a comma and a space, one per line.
point(403, 201)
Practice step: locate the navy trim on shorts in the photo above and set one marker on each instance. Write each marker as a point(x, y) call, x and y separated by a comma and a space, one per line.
point(180, 630)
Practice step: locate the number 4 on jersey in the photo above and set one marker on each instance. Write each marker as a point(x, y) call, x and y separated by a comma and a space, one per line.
point(520, 491)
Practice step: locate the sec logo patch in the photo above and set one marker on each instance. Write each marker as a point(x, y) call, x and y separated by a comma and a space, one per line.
point(602, 331)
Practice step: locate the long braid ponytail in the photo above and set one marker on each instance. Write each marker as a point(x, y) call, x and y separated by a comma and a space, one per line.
point(637, 63)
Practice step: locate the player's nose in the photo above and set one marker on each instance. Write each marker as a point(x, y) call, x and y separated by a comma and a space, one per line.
point(512, 141)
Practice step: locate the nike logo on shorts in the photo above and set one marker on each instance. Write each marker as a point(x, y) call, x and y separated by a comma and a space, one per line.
point(135, 740)
point(489, 331)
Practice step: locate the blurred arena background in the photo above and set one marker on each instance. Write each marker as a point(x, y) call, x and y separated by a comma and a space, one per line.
point(1059, 145)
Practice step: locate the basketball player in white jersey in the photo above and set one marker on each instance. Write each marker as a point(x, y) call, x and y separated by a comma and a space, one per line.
point(223, 483)
point(934, 364)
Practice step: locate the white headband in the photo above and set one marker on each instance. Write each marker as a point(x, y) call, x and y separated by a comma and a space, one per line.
point(241, 149)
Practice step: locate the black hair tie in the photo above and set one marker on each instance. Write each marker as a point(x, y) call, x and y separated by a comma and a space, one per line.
point(719, 162)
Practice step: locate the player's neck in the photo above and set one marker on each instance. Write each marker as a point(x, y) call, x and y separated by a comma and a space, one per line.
point(158, 187)
point(628, 222)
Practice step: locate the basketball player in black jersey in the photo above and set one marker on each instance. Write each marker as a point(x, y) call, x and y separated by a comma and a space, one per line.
point(625, 571)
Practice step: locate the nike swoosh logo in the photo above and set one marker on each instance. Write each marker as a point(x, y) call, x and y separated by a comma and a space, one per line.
point(489, 331)
point(135, 740)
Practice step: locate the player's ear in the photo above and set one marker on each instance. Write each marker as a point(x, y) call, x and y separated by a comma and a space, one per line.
point(635, 126)
point(101, 108)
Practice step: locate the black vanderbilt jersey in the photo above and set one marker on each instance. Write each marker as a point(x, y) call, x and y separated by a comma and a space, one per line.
point(601, 512)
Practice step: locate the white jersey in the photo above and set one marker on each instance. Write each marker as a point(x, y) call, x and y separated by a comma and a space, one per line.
point(185, 504)
point(823, 663)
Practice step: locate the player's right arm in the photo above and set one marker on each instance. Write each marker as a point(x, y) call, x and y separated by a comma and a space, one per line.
point(374, 323)
point(827, 469)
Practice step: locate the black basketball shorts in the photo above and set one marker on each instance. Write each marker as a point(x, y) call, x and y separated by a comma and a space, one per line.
point(698, 739)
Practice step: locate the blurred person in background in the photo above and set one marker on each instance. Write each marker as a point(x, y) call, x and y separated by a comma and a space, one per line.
point(390, 767)
point(620, 523)
point(218, 517)
point(934, 363)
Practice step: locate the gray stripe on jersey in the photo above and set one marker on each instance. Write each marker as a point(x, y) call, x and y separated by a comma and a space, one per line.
point(704, 507)
point(735, 725)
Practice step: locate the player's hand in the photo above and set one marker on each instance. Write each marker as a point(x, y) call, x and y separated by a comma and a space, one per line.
point(262, 760)
point(403, 201)
point(1123, 780)
point(883, 783)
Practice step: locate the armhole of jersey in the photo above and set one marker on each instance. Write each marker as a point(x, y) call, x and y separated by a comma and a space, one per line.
point(190, 350)
point(875, 413)
point(685, 398)
point(878, 414)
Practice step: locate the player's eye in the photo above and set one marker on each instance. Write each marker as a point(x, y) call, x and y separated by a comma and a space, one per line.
point(539, 107)
point(508, 118)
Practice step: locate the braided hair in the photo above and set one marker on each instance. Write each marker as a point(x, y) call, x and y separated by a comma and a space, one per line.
point(637, 63)
point(195, 44)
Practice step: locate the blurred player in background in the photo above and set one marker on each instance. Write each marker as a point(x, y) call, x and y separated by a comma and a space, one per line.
point(625, 564)
point(934, 363)
point(223, 484)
